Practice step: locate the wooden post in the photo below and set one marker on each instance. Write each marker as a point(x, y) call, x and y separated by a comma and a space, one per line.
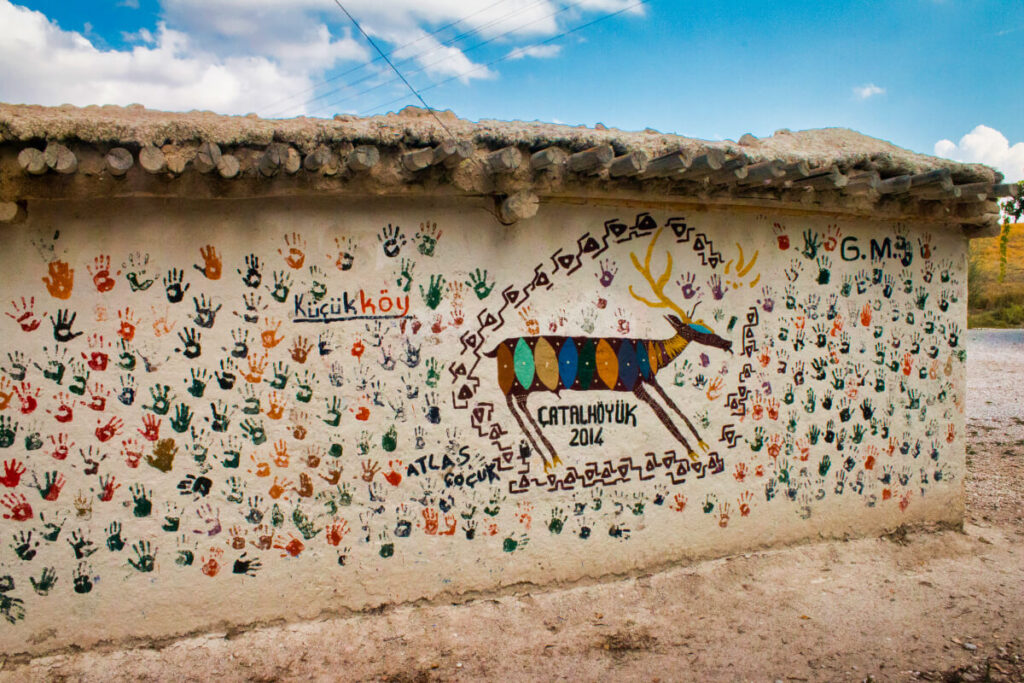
point(363, 158)
point(667, 164)
point(292, 161)
point(119, 161)
point(207, 157)
point(228, 166)
point(896, 185)
point(32, 161)
point(831, 180)
point(271, 160)
point(152, 159)
point(732, 171)
point(704, 165)
point(1006, 190)
point(177, 160)
point(12, 212)
point(518, 206)
point(548, 158)
point(451, 153)
point(593, 160)
point(629, 165)
point(937, 179)
point(60, 158)
point(504, 160)
point(764, 172)
point(320, 160)
point(862, 182)
point(976, 192)
point(938, 193)
point(418, 159)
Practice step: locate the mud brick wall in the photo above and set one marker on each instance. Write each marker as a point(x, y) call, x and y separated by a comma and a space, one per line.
point(227, 412)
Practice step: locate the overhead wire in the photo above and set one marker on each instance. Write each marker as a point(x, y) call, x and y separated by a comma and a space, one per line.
point(510, 54)
point(424, 67)
point(365, 65)
point(394, 68)
point(435, 48)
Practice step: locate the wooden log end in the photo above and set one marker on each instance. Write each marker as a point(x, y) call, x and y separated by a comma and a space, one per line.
point(207, 157)
point(32, 161)
point(60, 158)
point(12, 212)
point(152, 159)
point(119, 161)
point(505, 160)
point(363, 158)
point(228, 166)
point(519, 206)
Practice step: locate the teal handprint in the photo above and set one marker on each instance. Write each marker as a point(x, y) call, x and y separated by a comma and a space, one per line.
point(432, 295)
point(478, 281)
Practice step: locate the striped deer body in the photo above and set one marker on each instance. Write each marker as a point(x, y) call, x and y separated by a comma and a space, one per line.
point(556, 364)
point(526, 365)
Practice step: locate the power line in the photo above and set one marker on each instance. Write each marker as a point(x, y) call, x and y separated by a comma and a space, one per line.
point(394, 68)
point(506, 56)
point(420, 55)
point(427, 66)
point(377, 59)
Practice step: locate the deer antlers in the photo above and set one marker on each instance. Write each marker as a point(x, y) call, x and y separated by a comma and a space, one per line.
point(657, 286)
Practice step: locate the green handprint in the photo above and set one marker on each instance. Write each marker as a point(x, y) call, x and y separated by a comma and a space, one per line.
point(146, 559)
point(46, 581)
point(405, 274)
point(114, 540)
point(433, 294)
point(433, 374)
point(478, 281)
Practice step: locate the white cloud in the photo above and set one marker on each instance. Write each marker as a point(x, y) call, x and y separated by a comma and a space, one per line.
point(536, 51)
point(986, 146)
point(47, 65)
point(863, 92)
point(236, 56)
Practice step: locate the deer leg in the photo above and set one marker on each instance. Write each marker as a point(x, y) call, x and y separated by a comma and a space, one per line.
point(673, 406)
point(555, 460)
point(529, 436)
point(642, 394)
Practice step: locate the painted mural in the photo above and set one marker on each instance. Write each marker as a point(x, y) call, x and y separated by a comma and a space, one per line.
point(365, 392)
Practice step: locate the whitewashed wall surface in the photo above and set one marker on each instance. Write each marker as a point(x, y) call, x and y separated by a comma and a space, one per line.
point(229, 412)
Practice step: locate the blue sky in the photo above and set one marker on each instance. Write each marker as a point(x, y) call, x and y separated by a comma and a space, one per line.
point(915, 72)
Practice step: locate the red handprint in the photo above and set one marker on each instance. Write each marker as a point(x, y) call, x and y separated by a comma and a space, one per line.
point(100, 271)
point(336, 532)
point(12, 473)
point(429, 521)
point(151, 427)
point(126, 330)
point(28, 397)
point(18, 505)
point(25, 314)
point(108, 431)
point(61, 446)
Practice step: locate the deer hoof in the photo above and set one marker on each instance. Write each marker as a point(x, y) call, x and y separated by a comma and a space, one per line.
point(694, 457)
point(704, 446)
point(556, 461)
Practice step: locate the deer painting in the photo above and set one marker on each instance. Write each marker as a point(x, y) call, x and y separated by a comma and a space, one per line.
point(555, 364)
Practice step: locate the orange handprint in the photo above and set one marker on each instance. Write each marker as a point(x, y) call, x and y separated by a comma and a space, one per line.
point(60, 279)
point(296, 254)
point(211, 267)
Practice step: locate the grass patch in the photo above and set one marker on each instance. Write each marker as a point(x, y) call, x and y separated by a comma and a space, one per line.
point(991, 303)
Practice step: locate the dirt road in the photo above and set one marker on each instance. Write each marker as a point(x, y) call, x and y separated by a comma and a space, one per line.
point(943, 605)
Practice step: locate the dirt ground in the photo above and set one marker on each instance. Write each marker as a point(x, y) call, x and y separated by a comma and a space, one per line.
point(944, 605)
